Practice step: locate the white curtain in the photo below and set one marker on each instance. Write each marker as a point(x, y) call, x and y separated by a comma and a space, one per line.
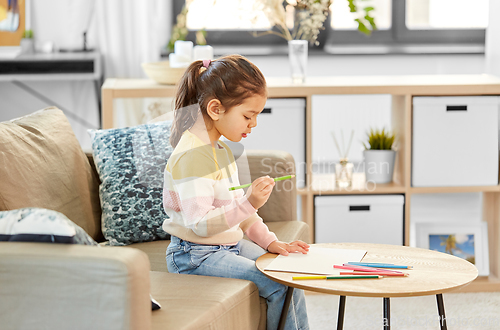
point(130, 32)
point(492, 47)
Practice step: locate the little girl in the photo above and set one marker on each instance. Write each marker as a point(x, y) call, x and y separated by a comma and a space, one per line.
point(207, 220)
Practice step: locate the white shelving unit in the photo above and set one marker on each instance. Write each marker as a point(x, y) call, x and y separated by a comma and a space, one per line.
point(401, 89)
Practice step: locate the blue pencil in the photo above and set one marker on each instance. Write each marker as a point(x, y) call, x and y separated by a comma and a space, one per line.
point(378, 265)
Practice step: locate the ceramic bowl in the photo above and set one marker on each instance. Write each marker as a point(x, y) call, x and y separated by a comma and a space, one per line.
point(162, 73)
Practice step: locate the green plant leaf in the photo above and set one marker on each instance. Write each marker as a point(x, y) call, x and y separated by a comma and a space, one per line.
point(371, 20)
point(179, 31)
point(362, 27)
point(352, 6)
point(367, 9)
point(28, 34)
point(201, 37)
point(380, 139)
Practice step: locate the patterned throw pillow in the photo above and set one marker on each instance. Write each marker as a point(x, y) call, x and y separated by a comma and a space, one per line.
point(130, 162)
point(33, 224)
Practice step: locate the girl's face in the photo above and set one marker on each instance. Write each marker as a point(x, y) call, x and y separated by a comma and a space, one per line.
point(236, 123)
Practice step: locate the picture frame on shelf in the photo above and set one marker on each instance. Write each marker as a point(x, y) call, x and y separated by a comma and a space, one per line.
point(466, 241)
point(12, 23)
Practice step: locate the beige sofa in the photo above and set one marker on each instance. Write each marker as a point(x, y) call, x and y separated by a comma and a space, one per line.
point(57, 286)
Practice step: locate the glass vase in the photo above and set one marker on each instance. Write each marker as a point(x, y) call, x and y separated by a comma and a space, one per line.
point(297, 55)
point(343, 173)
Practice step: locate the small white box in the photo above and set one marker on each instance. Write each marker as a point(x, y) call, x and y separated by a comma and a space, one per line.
point(359, 219)
point(455, 141)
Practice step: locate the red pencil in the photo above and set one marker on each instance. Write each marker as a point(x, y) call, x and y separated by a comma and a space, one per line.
point(373, 273)
point(365, 269)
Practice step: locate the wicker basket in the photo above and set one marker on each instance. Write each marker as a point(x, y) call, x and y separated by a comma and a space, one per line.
point(162, 73)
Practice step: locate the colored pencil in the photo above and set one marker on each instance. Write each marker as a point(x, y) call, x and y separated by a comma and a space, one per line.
point(378, 265)
point(374, 273)
point(335, 277)
point(275, 179)
point(363, 269)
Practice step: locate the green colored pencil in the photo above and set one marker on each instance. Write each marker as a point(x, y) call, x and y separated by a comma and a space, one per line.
point(275, 179)
point(341, 277)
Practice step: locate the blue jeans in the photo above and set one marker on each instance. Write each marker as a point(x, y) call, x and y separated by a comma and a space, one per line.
point(238, 261)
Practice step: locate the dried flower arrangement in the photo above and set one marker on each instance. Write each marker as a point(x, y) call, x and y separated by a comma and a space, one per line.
point(310, 16)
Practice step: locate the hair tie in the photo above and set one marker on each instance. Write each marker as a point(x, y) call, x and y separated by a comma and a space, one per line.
point(206, 63)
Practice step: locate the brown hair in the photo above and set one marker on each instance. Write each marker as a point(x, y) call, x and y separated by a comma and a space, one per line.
point(230, 79)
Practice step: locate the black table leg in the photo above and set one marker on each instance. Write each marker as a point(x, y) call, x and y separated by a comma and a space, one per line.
point(442, 317)
point(387, 314)
point(340, 321)
point(286, 305)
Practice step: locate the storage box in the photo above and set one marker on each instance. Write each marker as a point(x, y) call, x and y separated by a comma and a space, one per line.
point(360, 219)
point(281, 126)
point(455, 141)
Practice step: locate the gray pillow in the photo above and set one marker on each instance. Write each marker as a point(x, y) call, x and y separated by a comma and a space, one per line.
point(130, 162)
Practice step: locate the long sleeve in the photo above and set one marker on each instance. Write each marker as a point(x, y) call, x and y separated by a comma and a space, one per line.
point(198, 191)
point(257, 231)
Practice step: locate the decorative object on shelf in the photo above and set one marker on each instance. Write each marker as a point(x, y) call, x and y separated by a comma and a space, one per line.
point(343, 170)
point(297, 56)
point(467, 241)
point(184, 54)
point(162, 72)
point(379, 157)
point(203, 52)
point(343, 173)
point(309, 18)
point(27, 42)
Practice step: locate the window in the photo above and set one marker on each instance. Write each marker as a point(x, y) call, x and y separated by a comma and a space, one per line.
point(404, 26)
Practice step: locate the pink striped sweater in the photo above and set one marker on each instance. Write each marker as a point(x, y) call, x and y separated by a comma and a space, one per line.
point(197, 199)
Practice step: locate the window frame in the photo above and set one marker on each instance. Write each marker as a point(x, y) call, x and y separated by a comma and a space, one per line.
point(229, 37)
point(398, 39)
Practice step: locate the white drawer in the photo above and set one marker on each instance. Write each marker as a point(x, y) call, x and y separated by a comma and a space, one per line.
point(359, 218)
point(455, 141)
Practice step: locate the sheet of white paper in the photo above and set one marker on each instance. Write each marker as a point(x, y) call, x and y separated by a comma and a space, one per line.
point(317, 261)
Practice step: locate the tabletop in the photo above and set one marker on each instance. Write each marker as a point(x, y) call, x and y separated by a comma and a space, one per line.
point(433, 273)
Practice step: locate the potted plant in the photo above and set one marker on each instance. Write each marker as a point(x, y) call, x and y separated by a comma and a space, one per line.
point(180, 31)
point(27, 42)
point(379, 156)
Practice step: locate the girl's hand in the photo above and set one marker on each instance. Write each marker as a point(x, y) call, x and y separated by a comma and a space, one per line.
point(260, 190)
point(285, 248)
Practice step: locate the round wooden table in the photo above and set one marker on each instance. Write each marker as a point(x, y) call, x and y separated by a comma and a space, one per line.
point(433, 273)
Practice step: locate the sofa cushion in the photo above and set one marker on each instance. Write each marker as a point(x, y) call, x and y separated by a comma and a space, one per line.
point(130, 162)
point(280, 206)
point(33, 224)
point(71, 286)
point(43, 165)
point(194, 302)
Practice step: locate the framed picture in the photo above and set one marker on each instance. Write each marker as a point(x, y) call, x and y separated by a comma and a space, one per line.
point(467, 241)
point(12, 22)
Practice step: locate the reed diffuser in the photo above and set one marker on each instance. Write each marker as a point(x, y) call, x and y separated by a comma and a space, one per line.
point(343, 170)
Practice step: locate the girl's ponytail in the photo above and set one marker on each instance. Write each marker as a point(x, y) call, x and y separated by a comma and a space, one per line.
point(186, 95)
point(229, 79)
